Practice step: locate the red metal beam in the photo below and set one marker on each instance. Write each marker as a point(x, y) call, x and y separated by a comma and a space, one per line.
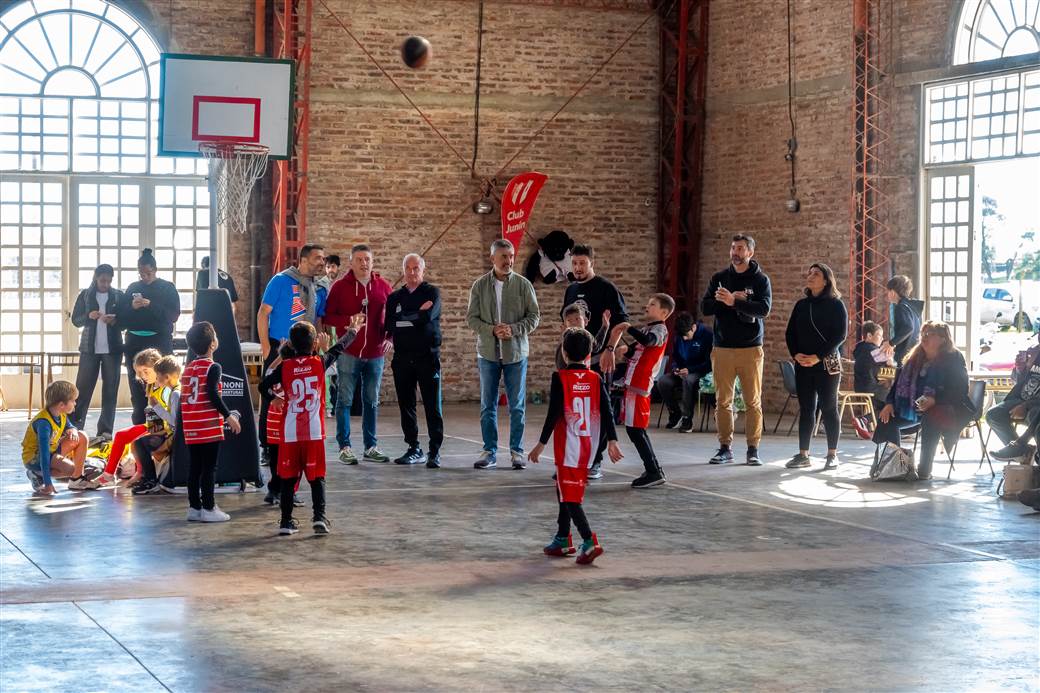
point(868, 262)
point(292, 38)
point(684, 50)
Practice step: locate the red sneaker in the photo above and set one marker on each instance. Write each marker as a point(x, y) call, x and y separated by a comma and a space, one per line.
point(862, 427)
point(590, 551)
point(560, 547)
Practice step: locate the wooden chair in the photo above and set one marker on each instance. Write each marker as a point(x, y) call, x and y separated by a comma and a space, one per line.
point(31, 360)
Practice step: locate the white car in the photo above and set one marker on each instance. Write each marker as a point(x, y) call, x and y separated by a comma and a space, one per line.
point(997, 305)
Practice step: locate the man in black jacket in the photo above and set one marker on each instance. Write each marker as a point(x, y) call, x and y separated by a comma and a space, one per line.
point(598, 294)
point(413, 322)
point(740, 298)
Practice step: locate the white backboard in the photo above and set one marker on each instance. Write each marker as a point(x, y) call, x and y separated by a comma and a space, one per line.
point(224, 99)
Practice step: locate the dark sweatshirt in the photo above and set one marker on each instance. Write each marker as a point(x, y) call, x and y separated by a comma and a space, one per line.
point(906, 326)
point(693, 354)
point(742, 325)
point(158, 317)
point(414, 332)
point(866, 370)
point(598, 294)
point(817, 326)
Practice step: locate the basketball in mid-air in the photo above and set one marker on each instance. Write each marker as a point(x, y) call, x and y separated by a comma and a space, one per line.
point(415, 52)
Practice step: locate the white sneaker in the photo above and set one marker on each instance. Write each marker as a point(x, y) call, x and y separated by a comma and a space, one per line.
point(195, 515)
point(83, 484)
point(105, 480)
point(347, 456)
point(214, 515)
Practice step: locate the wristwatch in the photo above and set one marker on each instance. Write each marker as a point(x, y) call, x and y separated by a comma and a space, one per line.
point(610, 348)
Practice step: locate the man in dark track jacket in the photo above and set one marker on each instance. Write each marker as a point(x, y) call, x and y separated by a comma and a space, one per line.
point(413, 322)
point(740, 298)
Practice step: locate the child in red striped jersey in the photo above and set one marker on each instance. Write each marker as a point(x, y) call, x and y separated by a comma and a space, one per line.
point(578, 419)
point(301, 450)
point(203, 413)
point(644, 367)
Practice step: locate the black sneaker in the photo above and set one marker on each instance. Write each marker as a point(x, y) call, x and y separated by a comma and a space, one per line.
point(832, 463)
point(723, 456)
point(687, 425)
point(674, 420)
point(290, 527)
point(1010, 452)
point(321, 525)
point(649, 480)
point(433, 461)
point(595, 471)
point(752, 458)
point(146, 487)
point(412, 456)
point(799, 461)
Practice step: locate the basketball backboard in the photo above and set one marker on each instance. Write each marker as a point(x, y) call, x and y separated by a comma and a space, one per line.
point(224, 99)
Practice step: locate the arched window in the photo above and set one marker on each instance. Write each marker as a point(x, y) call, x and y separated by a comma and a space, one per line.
point(991, 29)
point(80, 180)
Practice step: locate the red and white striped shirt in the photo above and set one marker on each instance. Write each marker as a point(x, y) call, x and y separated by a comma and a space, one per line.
point(577, 432)
point(276, 417)
point(202, 423)
point(303, 381)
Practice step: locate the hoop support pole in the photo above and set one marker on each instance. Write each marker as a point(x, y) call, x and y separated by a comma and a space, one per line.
point(211, 185)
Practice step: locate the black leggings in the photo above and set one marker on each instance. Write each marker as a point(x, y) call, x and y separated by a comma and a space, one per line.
point(569, 512)
point(202, 474)
point(641, 440)
point(317, 497)
point(817, 389)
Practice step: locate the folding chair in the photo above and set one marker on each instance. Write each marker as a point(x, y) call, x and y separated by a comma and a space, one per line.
point(977, 395)
point(787, 374)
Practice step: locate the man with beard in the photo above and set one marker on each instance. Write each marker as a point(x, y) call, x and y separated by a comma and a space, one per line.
point(739, 297)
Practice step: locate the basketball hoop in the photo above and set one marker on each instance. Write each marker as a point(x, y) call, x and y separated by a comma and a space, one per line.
point(235, 167)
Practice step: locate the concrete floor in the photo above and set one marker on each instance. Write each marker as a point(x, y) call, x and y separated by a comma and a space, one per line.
point(728, 578)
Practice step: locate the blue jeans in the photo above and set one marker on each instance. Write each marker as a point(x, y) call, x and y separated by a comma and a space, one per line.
point(515, 377)
point(351, 371)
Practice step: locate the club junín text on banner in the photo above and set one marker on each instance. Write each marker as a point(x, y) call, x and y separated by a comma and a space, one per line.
point(517, 204)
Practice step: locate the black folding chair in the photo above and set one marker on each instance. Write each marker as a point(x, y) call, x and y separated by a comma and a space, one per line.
point(977, 396)
point(787, 374)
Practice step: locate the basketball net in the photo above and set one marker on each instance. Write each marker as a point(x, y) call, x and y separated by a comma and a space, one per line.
point(235, 167)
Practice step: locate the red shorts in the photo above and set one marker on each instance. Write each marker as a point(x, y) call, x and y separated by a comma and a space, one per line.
point(571, 483)
point(636, 410)
point(305, 457)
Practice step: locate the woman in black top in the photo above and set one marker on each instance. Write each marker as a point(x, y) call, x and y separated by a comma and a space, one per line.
point(100, 349)
point(147, 312)
point(815, 332)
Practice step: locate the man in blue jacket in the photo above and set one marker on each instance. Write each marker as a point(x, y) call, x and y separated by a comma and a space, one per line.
point(691, 361)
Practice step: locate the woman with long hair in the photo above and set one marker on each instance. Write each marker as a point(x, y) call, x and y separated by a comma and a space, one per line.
point(815, 332)
point(100, 349)
point(148, 311)
point(931, 388)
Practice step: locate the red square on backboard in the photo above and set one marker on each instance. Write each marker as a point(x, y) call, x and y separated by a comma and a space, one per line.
point(238, 100)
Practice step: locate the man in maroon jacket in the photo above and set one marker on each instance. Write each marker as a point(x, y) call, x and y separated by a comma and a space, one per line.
point(360, 291)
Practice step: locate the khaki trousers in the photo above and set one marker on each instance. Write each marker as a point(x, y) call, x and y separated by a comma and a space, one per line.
point(728, 365)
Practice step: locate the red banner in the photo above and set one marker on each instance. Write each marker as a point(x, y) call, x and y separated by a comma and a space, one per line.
point(517, 203)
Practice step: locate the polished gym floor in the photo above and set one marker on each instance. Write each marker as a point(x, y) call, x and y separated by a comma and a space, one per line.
point(728, 578)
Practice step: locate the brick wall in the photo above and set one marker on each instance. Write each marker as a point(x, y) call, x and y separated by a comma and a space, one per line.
point(746, 177)
point(379, 175)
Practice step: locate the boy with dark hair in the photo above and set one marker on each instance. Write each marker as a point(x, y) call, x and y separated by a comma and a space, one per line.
point(576, 315)
point(869, 358)
point(203, 413)
point(690, 361)
point(301, 450)
point(644, 366)
point(52, 448)
point(578, 418)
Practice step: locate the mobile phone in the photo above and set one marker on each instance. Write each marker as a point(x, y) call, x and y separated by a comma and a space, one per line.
point(136, 295)
point(919, 400)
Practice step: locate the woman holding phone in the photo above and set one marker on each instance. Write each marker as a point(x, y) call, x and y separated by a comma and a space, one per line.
point(147, 311)
point(100, 349)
